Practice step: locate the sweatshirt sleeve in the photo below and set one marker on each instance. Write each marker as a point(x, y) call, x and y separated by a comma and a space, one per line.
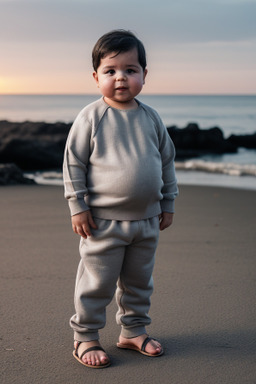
point(170, 188)
point(75, 164)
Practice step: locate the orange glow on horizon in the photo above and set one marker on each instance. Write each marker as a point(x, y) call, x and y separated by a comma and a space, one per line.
point(193, 82)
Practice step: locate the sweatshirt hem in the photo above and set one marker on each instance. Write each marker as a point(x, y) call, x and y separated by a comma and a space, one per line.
point(121, 215)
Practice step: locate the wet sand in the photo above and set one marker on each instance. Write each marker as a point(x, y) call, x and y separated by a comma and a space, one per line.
point(203, 306)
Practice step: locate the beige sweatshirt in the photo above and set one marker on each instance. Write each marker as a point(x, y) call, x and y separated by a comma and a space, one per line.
point(119, 163)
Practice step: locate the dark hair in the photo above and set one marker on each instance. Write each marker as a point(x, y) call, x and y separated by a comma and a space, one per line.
point(117, 41)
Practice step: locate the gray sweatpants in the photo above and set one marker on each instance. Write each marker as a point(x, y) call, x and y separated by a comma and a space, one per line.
point(118, 257)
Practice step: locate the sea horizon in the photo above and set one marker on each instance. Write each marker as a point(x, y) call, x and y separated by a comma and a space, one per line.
point(142, 93)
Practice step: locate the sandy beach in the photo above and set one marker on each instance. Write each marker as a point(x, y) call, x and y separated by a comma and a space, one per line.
point(203, 307)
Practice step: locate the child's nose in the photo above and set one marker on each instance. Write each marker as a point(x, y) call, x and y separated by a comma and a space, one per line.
point(120, 75)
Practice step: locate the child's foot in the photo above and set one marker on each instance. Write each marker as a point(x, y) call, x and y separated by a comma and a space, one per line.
point(142, 344)
point(94, 358)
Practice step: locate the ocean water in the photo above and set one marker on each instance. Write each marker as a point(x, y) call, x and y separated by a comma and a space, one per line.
point(233, 114)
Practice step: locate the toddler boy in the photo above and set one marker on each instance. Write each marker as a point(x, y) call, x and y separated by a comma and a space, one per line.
point(120, 183)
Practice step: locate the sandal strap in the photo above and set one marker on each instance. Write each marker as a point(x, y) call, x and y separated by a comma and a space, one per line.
point(145, 343)
point(77, 346)
point(95, 348)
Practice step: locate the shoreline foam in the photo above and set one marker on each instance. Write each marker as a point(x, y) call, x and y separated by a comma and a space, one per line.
point(185, 176)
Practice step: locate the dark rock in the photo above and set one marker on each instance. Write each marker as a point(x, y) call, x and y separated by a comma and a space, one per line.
point(40, 145)
point(245, 141)
point(30, 154)
point(33, 146)
point(10, 174)
point(193, 141)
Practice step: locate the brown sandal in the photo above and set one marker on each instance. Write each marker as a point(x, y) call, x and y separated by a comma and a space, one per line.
point(95, 348)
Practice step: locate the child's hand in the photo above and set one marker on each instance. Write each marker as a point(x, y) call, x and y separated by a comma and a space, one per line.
point(82, 224)
point(165, 219)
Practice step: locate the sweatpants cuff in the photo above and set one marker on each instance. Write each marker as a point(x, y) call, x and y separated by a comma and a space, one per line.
point(129, 333)
point(88, 336)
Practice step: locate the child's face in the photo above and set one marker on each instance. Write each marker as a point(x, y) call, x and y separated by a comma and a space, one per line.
point(120, 78)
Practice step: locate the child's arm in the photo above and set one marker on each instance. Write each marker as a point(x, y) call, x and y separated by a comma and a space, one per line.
point(82, 224)
point(165, 219)
point(170, 188)
point(75, 165)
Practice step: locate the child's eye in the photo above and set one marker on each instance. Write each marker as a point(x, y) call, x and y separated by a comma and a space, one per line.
point(130, 71)
point(111, 72)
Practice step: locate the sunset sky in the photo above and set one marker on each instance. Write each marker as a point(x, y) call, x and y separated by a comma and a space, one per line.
point(193, 46)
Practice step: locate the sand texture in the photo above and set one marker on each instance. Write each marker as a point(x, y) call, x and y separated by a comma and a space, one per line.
point(203, 306)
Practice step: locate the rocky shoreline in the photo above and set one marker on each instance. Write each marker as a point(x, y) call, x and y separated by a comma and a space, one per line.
point(10, 174)
point(39, 145)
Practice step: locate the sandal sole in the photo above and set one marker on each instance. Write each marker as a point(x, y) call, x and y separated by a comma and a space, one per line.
point(136, 349)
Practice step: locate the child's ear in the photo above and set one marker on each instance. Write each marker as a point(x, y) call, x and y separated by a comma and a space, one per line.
point(144, 75)
point(95, 76)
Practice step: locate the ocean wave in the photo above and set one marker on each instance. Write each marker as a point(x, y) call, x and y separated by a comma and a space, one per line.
point(46, 178)
point(230, 169)
point(188, 173)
